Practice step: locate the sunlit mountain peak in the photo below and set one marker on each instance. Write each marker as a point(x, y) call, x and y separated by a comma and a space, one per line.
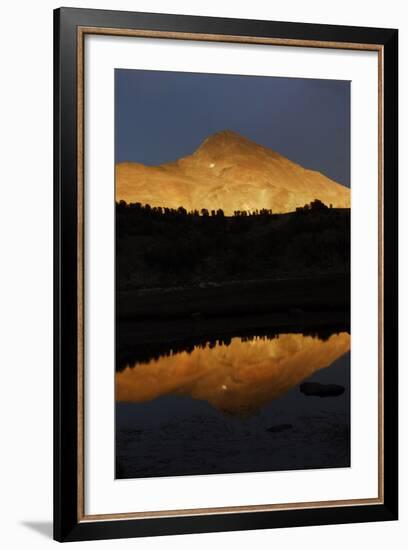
point(230, 172)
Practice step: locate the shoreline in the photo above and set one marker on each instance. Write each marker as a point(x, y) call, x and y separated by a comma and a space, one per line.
point(329, 292)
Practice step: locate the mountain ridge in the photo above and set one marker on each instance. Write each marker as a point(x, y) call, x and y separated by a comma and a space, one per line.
point(230, 172)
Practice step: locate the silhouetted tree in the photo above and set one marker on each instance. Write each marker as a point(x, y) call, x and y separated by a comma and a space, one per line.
point(181, 211)
point(317, 205)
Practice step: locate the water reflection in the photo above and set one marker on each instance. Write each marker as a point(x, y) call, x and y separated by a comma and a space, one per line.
point(237, 377)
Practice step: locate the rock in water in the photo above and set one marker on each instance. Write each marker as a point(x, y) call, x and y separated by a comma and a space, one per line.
point(279, 428)
point(321, 390)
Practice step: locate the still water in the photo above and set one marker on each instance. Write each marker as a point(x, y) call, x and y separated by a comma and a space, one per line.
point(234, 406)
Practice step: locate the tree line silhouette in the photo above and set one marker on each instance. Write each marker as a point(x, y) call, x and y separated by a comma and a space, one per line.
point(145, 352)
point(314, 206)
point(164, 247)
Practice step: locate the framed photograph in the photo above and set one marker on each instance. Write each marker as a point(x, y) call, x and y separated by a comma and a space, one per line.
point(225, 274)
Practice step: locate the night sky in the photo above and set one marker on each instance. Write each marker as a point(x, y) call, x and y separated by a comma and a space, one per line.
point(161, 116)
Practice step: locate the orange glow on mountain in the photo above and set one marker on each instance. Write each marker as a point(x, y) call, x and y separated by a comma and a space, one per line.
point(230, 172)
point(238, 378)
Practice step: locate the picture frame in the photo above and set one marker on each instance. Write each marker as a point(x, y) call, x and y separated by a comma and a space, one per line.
point(71, 432)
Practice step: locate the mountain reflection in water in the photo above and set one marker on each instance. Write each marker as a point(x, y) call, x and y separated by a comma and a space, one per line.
point(237, 378)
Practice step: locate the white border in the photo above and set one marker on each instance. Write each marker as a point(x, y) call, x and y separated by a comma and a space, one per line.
point(103, 494)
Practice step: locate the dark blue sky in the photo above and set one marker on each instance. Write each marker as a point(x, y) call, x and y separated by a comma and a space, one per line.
point(161, 116)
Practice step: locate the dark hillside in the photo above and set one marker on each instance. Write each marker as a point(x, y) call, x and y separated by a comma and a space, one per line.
point(166, 248)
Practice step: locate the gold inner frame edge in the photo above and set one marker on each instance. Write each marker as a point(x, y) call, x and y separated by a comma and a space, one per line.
point(81, 32)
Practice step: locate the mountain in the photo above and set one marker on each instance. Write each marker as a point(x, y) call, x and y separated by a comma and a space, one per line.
point(230, 172)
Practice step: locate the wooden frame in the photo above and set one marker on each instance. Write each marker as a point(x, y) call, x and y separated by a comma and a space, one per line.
point(70, 27)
